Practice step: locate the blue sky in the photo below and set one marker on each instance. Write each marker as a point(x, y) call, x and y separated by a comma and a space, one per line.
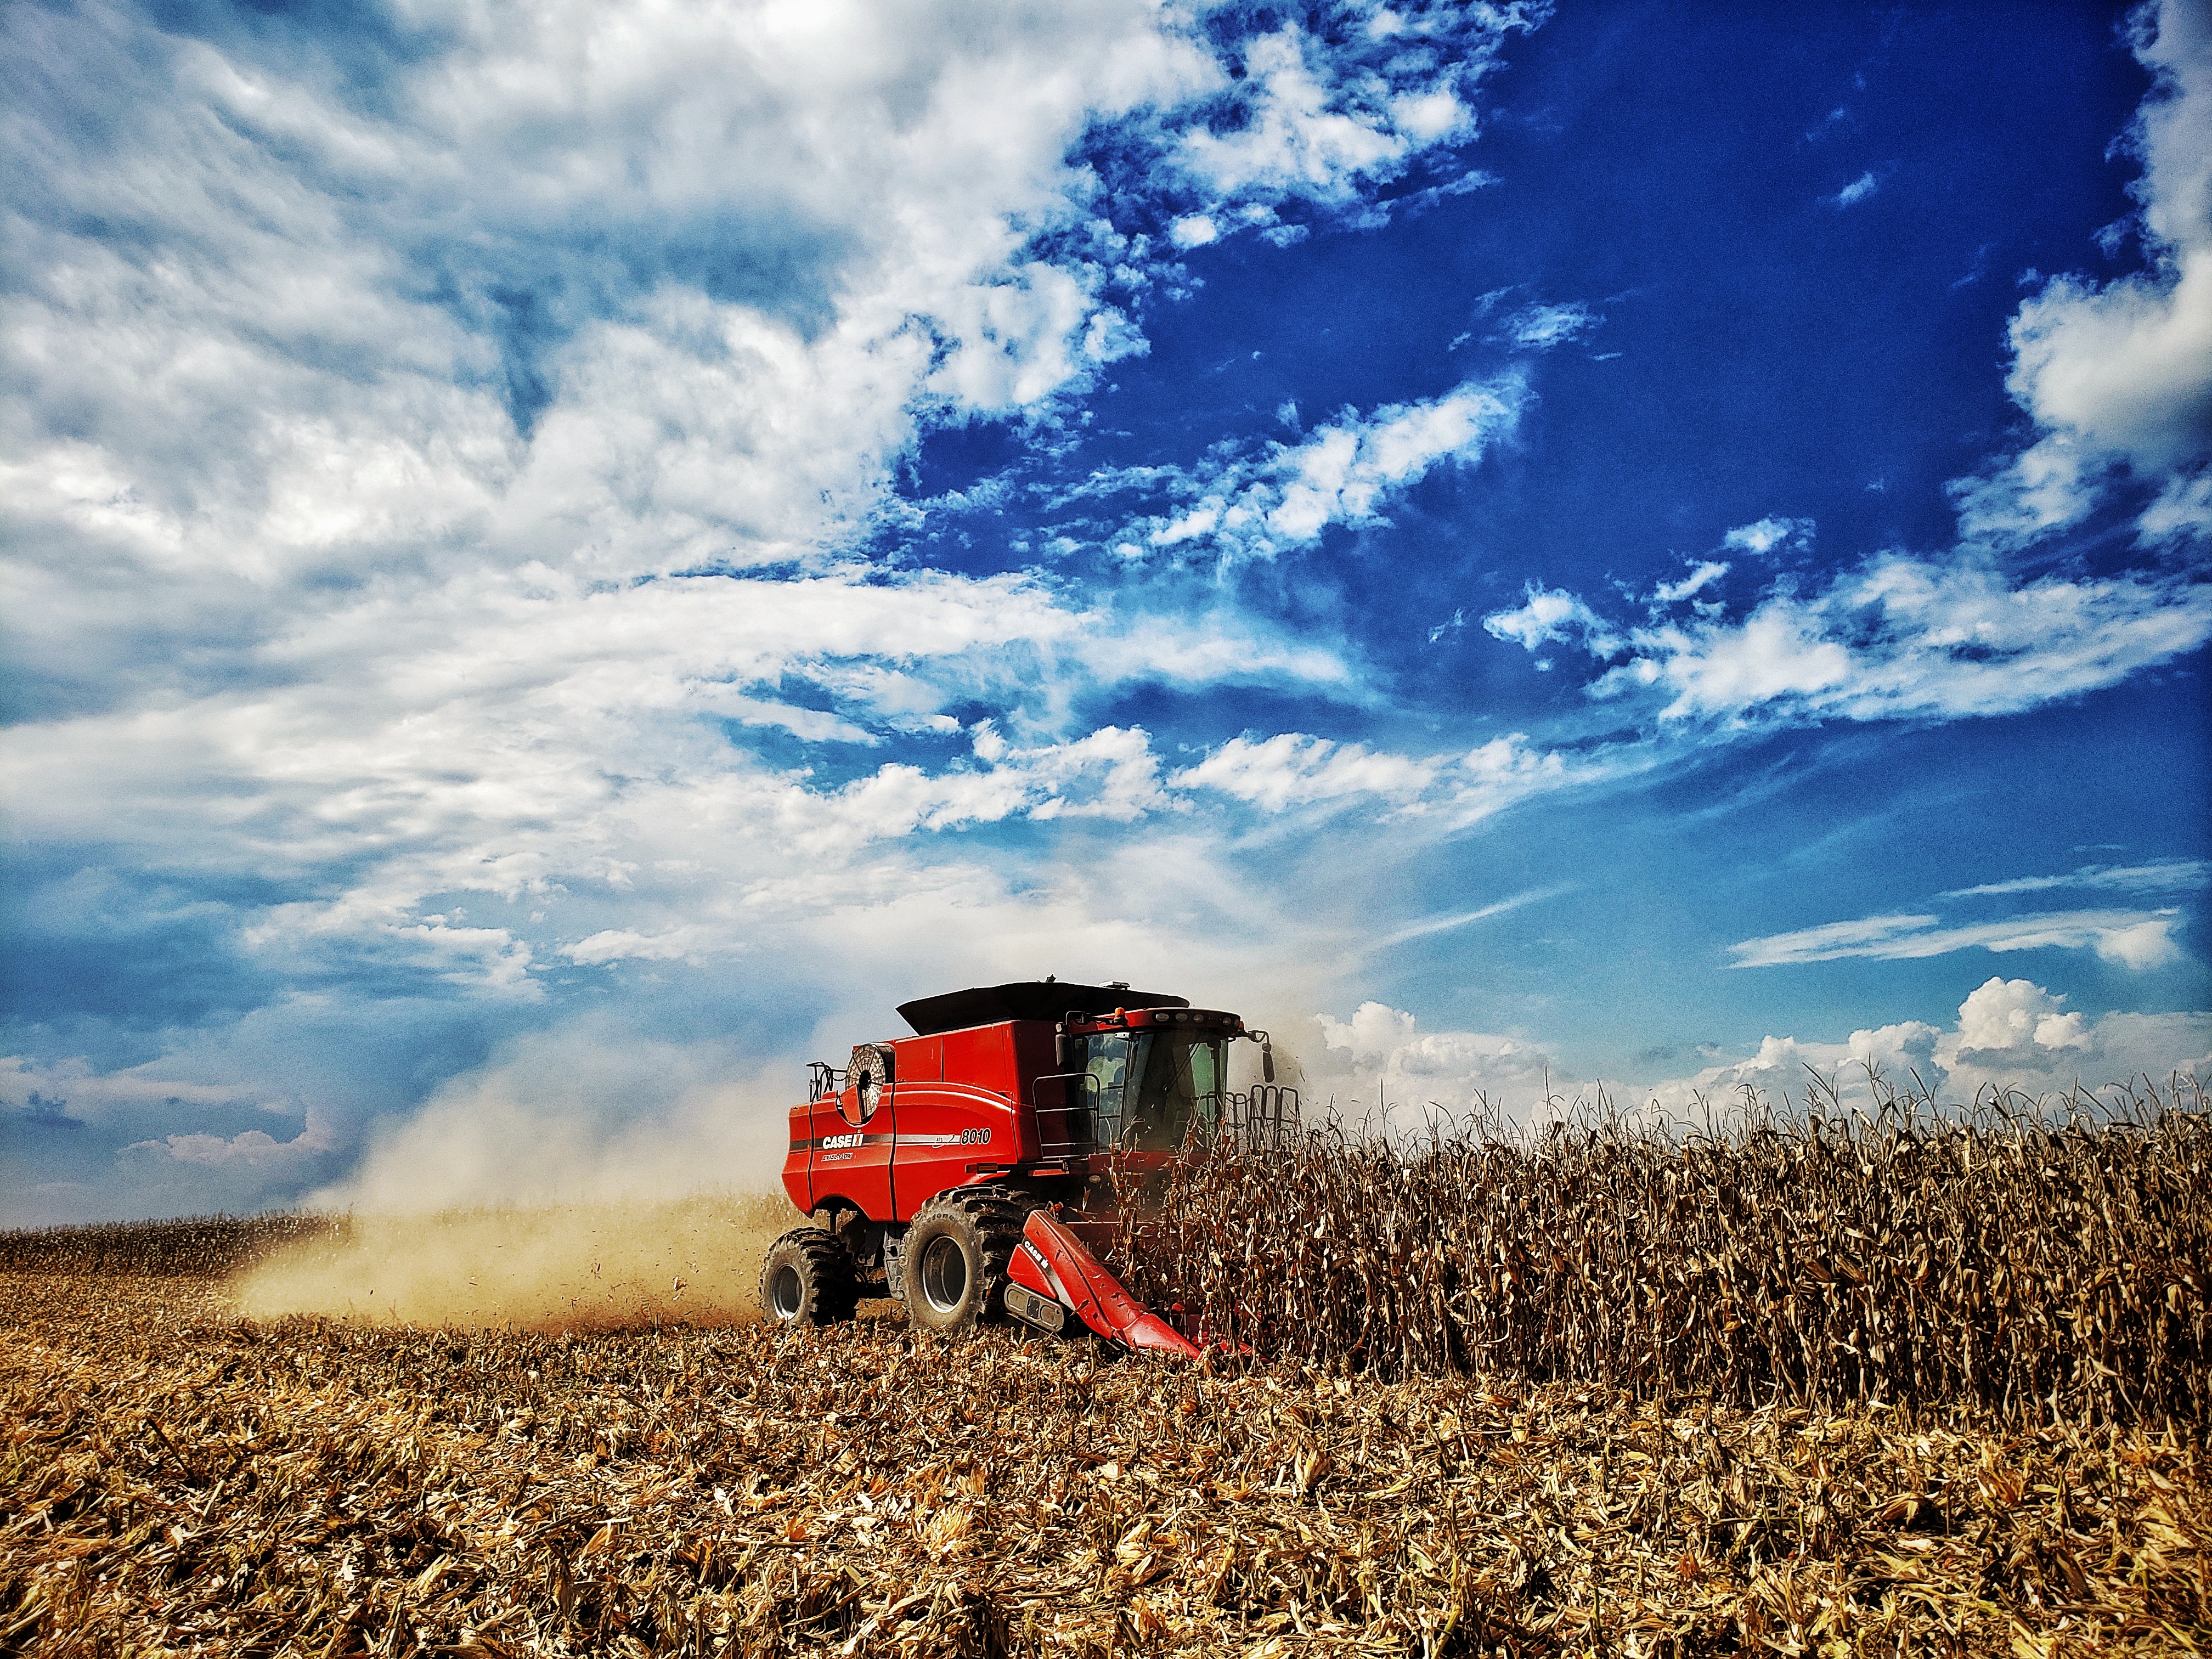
point(561, 562)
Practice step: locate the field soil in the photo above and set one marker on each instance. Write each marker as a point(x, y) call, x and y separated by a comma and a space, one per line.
point(177, 1477)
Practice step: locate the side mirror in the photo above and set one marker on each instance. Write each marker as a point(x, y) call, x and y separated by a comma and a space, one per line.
point(1066, 1051)
point(1266, 1062)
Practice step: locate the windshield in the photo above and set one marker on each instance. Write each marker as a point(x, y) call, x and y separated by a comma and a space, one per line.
point(1153, 1087)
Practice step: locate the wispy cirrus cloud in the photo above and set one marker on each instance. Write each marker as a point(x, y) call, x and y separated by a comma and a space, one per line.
point(1284, 496)
point(1293, 770)
point(1855, 193)
point(2133, 939)
point(1899, 638)
point(1540, 327)
point(1433, 925)
point(2165, 876)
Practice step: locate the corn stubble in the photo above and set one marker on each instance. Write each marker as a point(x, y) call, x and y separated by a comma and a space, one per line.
point(179, 1478)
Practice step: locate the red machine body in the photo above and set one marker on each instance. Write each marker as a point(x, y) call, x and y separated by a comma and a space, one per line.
point(959, 1107)
point(986, 1136)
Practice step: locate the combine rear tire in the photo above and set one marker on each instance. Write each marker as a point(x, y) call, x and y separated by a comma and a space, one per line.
point(955, 1255)
point(808, 1279)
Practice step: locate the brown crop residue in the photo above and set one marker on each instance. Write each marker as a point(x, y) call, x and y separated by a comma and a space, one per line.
point(553, 1268)
point(176, 1480)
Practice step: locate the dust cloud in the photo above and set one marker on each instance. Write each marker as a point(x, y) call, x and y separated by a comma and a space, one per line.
point(586, 1179)
point(553, 1267)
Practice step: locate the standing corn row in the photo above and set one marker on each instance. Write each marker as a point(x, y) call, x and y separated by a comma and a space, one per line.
point(2045, 1263)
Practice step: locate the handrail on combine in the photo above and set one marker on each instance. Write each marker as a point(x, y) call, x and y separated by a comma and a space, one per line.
point(823, 1081)
point(1071, 1144)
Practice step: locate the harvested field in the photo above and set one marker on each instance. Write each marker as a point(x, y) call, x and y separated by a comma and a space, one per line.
point(1898, 1387)
point(180, 1479)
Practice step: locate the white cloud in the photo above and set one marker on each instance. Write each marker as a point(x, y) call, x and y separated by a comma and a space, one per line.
point(1346, 472)
point(259, 397)
point(1855, 191)
point(2133, 939)
point(1706, 572)
point(252, 1149)
point(1379, 1068)
point(1540, 327)
point(1546, 614)
point(1769, 533)
point(2165, 876)
point(1193, 230)
point(2007, 1014)
point(1906, 638)
point(627, 945)
point(1293, 770)
point(2011, 1035)
point(1111, 773)
point(2120, 374)
point(1315, 127)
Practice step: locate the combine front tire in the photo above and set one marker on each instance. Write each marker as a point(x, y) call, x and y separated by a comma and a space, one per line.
point(808, 1279)
point(954, 1258)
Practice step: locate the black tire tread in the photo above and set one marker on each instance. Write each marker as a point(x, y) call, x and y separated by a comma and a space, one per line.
point(829, 1270)
point(998, 1215)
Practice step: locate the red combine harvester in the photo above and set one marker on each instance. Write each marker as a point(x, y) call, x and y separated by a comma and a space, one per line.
point(965, 1170)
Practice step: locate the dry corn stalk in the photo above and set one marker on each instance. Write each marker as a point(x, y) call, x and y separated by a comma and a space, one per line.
point(2048, 1264)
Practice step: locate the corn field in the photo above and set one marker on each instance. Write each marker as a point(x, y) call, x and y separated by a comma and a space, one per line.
point(176, 1480)
point(195, 1247)
point(2048, 1264)
point(1901, 1383)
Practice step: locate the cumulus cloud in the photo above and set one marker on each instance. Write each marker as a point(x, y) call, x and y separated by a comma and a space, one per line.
point(2132, 939)
point(2010, 1035)
point(1379, 1068)
point(2007, 1014)
point(2119, 376)
point(1766, 534)
point(1546, 614)
point(254, 1150)
point(1382, 1068)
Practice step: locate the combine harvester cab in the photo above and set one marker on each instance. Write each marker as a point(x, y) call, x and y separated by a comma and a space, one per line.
point(965, 1170)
